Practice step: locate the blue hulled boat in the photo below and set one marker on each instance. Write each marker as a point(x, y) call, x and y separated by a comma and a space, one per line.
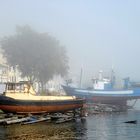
point(103, 91)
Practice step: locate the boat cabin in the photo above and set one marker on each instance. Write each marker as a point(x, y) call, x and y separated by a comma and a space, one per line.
point(103, 83)
point(20, 87)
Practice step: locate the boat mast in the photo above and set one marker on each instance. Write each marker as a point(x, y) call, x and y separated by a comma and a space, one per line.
point(81, 74)
point(112, 77)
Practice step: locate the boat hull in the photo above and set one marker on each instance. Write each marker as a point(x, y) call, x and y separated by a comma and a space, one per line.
point(103, 96)
point(31, 106)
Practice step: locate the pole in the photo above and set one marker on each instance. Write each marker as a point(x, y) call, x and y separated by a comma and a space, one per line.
point(81, 73)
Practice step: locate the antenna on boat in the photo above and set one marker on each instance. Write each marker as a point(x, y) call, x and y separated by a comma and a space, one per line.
point(81, 74)
point(112, 78)
point(100, 75)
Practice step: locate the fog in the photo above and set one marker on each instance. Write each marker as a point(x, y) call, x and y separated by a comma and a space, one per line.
point(97, 34)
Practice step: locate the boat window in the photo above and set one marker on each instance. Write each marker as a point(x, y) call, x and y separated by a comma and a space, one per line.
point(22, 87)
point(19, 88)
point(11, 87)
point(2, 88)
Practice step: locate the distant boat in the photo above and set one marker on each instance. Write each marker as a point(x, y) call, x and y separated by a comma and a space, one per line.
point(103, 91)
point(21, 98)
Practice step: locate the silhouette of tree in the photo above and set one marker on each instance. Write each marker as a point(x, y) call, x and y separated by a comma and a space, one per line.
point(37, 55)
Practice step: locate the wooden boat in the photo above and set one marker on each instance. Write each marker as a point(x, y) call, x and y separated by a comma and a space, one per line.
point(21, 98)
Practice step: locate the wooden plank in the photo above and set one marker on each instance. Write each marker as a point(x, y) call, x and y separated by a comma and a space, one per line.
point(8, 119)
point(58, 116)
point(37, 120)
point(62, 120)
point(17, 120)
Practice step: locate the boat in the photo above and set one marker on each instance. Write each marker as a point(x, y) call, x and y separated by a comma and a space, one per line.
point(104, 92)
point(21, 98)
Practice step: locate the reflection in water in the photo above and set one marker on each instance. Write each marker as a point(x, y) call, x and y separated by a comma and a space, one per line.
point(112, 126)
point(96, 127)
point(80, 129)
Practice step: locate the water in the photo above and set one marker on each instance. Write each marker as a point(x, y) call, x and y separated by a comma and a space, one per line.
point(95, 127)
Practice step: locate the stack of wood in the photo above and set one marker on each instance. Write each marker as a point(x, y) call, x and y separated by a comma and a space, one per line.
point(7, 119)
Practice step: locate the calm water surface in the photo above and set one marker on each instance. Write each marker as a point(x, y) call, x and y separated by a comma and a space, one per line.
point(95, 127)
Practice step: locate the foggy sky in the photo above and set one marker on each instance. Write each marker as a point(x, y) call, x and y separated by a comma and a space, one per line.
point(98, 34)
